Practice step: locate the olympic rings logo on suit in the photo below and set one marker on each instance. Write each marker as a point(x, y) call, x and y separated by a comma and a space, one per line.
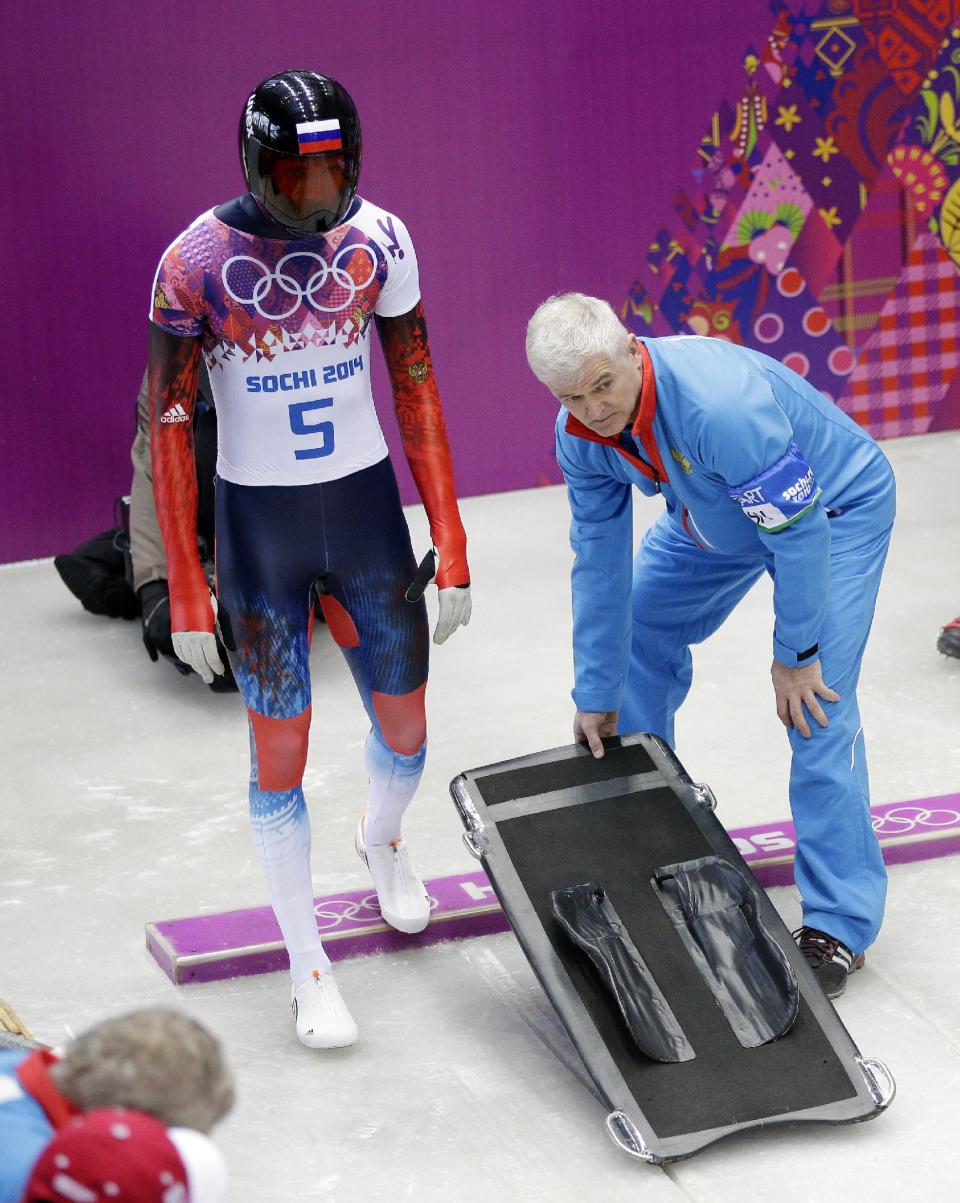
point(334, 272)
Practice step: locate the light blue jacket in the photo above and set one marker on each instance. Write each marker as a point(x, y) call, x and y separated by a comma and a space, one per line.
point(25, 1130)
point(728, 437)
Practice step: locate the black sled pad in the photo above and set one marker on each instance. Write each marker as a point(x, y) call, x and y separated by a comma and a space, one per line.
point(670, 969)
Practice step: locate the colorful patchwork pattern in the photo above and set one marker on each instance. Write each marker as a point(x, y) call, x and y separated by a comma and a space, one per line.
point(870, 261)
point(819, 159)
point(907, 37)
point(797, 330)
point(946, 414)
point(820, 221)
point(909, 362)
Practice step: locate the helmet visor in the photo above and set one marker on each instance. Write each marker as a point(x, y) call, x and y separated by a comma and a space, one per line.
point(308, 193)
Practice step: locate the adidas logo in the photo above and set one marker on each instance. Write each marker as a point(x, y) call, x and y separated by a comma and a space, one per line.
point(176, 413)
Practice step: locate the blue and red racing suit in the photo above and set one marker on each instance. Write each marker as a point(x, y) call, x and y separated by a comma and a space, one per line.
point(306, 495)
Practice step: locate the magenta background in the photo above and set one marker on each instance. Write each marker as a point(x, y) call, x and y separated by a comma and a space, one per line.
point(530, 146)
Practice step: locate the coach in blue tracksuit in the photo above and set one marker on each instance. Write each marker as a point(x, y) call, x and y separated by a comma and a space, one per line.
point(759, 472)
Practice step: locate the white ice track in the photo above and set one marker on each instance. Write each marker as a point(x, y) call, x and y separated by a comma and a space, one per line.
point(123, 800)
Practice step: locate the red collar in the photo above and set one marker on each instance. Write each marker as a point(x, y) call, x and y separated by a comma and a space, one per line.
point(34, 1077)
point(642, 429)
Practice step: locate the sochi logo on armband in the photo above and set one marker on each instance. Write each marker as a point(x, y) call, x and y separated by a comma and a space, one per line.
point(781, 494)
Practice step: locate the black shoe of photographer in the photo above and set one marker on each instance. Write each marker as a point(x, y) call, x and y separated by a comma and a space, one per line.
point(155, 613)
point(158, 640)
point(94, 574)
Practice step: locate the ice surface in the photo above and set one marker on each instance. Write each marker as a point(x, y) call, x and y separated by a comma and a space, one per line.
point(123, 800)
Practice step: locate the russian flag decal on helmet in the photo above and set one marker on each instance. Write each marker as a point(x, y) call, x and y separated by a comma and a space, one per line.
point(314, 137)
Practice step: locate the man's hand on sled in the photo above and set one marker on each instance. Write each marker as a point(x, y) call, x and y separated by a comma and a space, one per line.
point(591, 727)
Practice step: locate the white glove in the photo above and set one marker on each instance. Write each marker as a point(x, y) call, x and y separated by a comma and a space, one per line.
point(455, 607)
point(199, 650)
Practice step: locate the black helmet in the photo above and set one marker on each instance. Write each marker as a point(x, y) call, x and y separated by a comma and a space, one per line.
point(300, 149)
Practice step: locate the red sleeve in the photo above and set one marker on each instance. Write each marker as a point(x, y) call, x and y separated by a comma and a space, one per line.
point(173, 370)
point(424, 435)
point(34, 1075)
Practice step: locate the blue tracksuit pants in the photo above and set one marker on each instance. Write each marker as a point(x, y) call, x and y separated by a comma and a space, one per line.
point(681, 595)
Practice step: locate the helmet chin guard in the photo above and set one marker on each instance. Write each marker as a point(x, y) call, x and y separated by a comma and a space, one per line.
point(300, 147)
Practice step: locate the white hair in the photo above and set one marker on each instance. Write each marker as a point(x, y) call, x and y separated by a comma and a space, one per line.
point(569, 330)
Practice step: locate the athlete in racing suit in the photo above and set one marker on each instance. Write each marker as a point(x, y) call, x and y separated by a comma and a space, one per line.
point(278, 289)
point(759, 472)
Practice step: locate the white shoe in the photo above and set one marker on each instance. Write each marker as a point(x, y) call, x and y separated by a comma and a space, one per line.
point(321, 1015)
point(403, 899)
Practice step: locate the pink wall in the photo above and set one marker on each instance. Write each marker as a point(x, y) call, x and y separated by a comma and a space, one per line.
point(530, 146)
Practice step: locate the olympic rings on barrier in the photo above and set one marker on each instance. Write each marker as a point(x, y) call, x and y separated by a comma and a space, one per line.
point(337, 911)
point(903, 819)
point(334, 272)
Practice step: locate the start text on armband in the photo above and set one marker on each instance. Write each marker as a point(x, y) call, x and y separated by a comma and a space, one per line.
point(285, 382)
point(781, 494)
